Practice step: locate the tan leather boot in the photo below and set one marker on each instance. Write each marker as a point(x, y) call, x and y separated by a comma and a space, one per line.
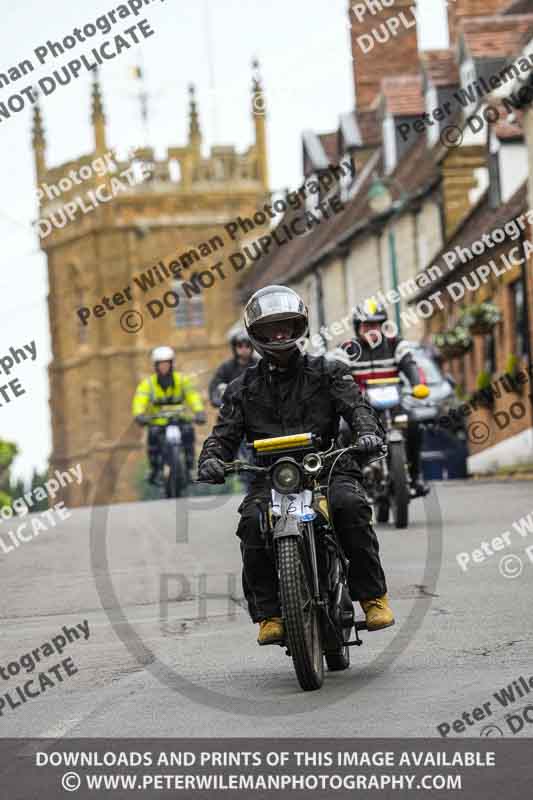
point(271, 631)
point(378, 613)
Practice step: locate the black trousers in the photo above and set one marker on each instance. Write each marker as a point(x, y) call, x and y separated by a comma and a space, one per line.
point(352, 516)
point(413, 446)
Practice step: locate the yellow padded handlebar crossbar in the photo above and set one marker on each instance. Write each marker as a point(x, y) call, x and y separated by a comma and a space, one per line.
point(381, 381)
point(281, 442)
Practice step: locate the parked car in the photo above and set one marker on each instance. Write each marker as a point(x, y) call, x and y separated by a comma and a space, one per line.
point(444, 447)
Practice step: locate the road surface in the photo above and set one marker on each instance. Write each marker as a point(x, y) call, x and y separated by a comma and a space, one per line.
point(165, 660)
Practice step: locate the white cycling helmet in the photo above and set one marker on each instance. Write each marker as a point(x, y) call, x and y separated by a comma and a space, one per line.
point(163, 354)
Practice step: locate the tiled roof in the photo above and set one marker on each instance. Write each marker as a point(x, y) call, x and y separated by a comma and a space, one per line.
point(519, 7)
point(403, 95)
point(482, 219)
point(287, 261)
point(440, 67)
point(496, 37)
point(416, 172)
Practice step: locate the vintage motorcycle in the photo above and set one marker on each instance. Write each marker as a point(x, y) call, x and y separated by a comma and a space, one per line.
point(317, 609)
point(387, 481)
point(175, 470)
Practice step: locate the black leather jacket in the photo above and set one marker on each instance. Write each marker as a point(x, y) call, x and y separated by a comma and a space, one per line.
point(226, 373)
point(385, 360)
point(310, 396)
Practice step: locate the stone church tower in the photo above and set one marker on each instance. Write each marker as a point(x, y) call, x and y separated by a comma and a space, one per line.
point(174, 206)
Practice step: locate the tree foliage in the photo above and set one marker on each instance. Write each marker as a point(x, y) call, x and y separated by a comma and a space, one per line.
point(8, 451)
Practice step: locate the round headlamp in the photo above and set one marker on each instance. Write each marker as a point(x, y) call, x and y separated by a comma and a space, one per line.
point(286, 477)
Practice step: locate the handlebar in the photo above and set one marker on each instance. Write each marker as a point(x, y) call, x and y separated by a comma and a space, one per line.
point(176, 412)
point(236, 467)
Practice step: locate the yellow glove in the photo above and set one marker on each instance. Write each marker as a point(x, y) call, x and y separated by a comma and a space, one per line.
point(420, 391)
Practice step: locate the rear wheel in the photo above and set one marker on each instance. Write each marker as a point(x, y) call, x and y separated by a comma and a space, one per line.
point(400, 485)
point(300, 616)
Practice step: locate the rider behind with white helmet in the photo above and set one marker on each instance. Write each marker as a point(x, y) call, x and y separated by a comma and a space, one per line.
point(166, 386)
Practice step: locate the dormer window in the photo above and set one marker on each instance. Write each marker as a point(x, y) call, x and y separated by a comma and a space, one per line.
point(467, 92)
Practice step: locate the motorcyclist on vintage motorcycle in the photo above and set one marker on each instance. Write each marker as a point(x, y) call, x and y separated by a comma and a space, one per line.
point(374, 354)
point(243, 357)
point(166, 387)
point(288, 392)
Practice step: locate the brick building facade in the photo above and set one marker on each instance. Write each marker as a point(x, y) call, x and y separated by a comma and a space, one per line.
point(412, 129)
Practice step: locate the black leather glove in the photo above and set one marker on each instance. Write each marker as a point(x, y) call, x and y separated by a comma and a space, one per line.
point(200, 418)
point(142, 420)
point(369, 443)
point(212, 471)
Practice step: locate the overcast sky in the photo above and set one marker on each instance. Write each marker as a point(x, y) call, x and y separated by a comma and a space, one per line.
point(303, 47)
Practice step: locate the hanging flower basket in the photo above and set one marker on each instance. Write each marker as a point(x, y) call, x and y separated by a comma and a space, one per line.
point(481, 318)
point(453, 343)
point(509, 378)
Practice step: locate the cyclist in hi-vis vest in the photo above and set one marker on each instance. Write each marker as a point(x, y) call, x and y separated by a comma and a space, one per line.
point(166, 386)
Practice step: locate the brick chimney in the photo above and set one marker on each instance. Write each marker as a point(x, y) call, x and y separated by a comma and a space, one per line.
point(384, 44)
point(462, 9)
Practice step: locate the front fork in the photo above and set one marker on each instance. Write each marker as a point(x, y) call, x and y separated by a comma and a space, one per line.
point(309, 533)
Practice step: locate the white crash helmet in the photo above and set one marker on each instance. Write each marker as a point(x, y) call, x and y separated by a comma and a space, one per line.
point(163, 353)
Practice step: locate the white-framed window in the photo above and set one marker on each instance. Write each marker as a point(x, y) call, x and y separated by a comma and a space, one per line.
point(190, 311)
point(345, 179)
point(467, 74)
point(432, 102)
point(389, 144)
point(311, 200)
point(312, 289)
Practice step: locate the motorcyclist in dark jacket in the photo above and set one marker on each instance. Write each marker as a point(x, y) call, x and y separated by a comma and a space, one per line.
point(243, 357)
point(374, 354)
point(288, 392)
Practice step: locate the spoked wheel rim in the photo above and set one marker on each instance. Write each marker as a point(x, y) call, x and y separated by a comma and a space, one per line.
point(312, 636)
point(311, 624)
point(301, 616)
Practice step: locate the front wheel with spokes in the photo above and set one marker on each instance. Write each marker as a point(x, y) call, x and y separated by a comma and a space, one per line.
point(300, 615)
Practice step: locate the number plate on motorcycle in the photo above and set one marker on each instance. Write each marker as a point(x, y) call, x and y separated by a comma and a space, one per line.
point(383, 396)
point(297, 505)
